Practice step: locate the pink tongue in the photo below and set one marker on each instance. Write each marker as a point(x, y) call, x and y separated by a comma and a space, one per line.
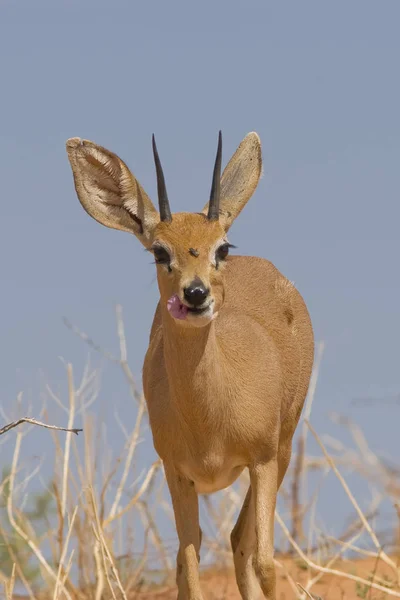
point(176, 308)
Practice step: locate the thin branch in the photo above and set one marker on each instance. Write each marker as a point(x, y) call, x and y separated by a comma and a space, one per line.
point(35, 422)
point(84, 336)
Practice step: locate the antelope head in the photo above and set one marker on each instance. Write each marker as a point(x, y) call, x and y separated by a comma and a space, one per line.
point(190, 249)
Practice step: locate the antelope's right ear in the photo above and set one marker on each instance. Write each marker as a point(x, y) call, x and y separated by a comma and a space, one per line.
point(109, 192)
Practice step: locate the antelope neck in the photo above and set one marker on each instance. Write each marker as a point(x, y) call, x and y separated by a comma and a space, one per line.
point(192, 359)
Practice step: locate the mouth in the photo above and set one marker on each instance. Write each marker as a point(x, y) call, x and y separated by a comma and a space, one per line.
point(181, 311)
point(199, 311)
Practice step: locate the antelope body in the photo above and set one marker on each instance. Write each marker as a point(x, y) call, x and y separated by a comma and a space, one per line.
point(230, 355)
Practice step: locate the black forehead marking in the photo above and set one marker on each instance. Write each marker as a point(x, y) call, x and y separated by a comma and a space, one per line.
point(194, 252)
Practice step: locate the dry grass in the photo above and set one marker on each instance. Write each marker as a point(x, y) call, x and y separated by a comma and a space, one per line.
point(105, 538)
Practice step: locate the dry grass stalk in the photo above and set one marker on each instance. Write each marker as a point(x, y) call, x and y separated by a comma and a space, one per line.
point(333, 560)
point(129, 457)
point(298, 479)
point(306, 592)
point(288, 576)
point(106, 554)
point(146, 482)
point(71, 395)
point(151, 527)
point(397, 541)
point(10, 511)
point(346, 488)
point(19, 572)
point(134, 580)
point(389, 591)
point(8, 584)
point(61, 578)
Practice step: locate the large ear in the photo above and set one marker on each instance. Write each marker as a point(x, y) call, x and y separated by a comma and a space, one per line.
point(239, 179)
point(109, 192)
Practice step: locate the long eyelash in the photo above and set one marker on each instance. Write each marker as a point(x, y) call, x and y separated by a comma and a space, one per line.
point(157, 247)
point(228, 245)
point(154, 262)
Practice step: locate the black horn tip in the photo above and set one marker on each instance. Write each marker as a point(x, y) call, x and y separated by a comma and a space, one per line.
point(165, 211)
point(155, 151)
point(213, 206)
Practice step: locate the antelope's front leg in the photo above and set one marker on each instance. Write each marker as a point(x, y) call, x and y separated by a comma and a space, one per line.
point(264, 483)
point(186, 509)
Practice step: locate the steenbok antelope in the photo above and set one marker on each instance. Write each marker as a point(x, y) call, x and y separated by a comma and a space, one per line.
point(230, 354)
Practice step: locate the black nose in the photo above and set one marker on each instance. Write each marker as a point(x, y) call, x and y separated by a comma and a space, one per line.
point(196, 293)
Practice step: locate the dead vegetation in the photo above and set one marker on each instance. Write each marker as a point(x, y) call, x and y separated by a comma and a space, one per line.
point(98, 529)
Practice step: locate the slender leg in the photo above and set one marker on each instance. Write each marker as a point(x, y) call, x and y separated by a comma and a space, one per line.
point(284, 454)
point(186, 509)
point(264, 483)
point(243, 540)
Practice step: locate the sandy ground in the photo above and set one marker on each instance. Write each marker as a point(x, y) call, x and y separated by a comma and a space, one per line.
point(219, 585)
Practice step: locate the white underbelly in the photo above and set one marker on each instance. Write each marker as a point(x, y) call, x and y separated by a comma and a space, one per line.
point(210, 481)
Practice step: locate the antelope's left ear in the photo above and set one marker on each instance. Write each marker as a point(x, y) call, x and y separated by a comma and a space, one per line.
point(239, 179)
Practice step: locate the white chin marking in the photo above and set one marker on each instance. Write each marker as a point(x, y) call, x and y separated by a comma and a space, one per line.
point(199, 320)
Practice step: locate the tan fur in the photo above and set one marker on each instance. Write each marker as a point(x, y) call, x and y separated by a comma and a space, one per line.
point(225, 392)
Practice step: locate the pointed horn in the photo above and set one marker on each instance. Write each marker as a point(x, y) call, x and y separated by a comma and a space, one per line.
point(163, 203)
point(213, 205)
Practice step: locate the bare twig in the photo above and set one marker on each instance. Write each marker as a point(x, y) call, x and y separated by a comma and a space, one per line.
point(36, 422)
point(84, 336)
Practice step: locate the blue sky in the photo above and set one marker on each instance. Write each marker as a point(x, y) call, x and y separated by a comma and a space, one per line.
point(318, 81)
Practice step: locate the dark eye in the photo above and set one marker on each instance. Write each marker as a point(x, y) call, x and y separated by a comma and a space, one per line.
point(161, 255)
point(222, 252)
